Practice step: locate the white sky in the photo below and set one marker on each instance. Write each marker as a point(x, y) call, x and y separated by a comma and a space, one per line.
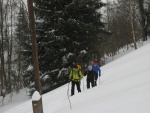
point(124, 88)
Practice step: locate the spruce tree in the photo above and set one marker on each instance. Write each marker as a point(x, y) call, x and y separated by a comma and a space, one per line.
point(65, 28)
point(23, 45)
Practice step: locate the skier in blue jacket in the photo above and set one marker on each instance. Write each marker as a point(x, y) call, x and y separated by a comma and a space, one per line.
point(97, 70)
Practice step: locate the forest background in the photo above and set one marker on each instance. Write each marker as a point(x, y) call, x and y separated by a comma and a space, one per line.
point(67, 31)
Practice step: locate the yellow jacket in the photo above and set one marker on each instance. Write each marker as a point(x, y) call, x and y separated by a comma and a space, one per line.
point(75, 75)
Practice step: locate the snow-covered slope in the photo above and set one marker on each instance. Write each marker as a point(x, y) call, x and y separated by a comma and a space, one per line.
point(124, 88)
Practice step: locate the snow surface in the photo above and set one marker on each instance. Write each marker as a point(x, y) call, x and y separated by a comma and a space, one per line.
point(36, 96)
point(124, 88)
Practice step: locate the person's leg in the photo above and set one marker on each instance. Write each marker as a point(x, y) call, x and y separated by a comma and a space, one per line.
point(92, 82)
point(78, 86)
point(72, 88)
point(95, 81)
point(88, 83)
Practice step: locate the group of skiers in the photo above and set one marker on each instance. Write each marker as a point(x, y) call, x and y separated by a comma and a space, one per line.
point(76, 75)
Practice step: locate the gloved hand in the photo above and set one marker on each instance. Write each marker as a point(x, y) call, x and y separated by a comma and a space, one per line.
point(99, 75)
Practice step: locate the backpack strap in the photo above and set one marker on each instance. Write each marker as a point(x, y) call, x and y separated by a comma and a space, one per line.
point(79, 73)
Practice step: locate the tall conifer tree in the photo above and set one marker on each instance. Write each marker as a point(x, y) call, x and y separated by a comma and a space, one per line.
point(64, 27)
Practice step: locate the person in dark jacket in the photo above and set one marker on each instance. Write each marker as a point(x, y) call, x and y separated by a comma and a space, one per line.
point(90, 77)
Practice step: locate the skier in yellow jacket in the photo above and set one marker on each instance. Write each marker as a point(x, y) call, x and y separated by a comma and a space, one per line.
point(75, 77)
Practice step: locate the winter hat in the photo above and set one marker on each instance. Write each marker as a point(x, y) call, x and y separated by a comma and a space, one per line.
point(89, 67)
point(95, 62)
point(75, 66)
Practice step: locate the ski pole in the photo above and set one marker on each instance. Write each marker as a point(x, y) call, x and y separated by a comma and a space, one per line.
point(68, 95)
point(94, 81)
point(99, 77)
point(83, 83)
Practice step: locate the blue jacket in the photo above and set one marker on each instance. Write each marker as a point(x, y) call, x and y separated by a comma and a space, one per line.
point(96, 69)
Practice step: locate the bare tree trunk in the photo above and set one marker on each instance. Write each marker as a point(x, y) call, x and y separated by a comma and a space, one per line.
point(19, 63)
point(143, 19)
point(3, 75)
point(10, 52)
point(7, 40)
point(148, 19)
point(132, 22)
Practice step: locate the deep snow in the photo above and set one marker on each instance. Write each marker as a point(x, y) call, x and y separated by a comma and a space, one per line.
point(124, 88)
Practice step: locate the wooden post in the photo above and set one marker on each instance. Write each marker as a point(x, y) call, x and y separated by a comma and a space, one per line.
point(39, 107)
point(36, 106)
point(36, 102)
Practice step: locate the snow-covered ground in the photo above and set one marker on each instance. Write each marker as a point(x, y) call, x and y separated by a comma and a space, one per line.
point(124, 88)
